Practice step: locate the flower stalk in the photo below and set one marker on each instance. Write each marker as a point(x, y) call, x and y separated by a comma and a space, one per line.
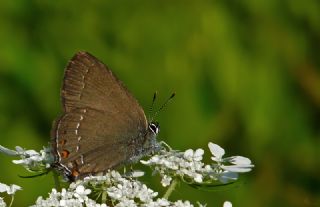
point(171, 188)
point(56, 180)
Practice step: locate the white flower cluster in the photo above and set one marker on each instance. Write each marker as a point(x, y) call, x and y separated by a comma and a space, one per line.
point(188, 166)
point(132, 193)
point(10, 190)
point(227, 169)
point(74, 196)
point(120, 192)
point(115, 190)
point(32, 160)
point(127, 192)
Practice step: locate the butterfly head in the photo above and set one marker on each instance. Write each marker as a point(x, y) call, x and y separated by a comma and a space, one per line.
point(154, 127)
point(150, 144)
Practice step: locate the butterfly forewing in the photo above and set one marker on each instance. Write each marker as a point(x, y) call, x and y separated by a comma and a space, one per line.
point(100, 117)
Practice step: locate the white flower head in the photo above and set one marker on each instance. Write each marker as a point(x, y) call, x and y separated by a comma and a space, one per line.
point(166, 180)
point(188, 154)
point(121, 191)
point(188, 166)
point(81, 193)
point(12, 189)
point(198, 178)
point(227, 204)
point(238, 164)
point(31, 159)
point(125, 190)
point(67, 197)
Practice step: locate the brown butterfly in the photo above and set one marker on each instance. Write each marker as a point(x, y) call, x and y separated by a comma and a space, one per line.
point(102, 126)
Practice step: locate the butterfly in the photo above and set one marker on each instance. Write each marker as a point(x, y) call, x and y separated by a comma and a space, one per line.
point(102, 126)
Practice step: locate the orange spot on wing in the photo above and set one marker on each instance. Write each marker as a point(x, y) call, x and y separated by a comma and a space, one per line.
point(62, 142)
point(75, 173)
point(64, 153)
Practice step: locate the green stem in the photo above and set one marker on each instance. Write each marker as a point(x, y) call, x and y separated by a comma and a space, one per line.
point(104, 197)
point(171, 188)
point(56, 180)
point(12, 198)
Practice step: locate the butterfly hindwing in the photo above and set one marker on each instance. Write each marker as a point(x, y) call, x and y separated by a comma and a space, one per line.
point(101, 118)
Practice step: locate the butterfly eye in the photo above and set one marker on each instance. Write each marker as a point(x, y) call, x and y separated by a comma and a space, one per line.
point(154, 127)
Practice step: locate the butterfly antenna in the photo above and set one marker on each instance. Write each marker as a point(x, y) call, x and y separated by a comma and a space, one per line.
point(152, 104)
point(164, 105)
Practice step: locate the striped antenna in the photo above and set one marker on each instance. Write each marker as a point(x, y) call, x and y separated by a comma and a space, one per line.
point(163, 105)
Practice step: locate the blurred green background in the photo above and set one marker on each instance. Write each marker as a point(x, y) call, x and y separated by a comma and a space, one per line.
point(246, 74)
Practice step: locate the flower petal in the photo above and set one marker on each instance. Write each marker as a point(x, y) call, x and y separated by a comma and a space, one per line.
point(136, 174)
point(227, 176)
point(13, 188)
point(239, 160)
point(216, 150)
point(188, 154)
point(198, 154)
point(198, 178)
point(237, 168)
point(3, 187)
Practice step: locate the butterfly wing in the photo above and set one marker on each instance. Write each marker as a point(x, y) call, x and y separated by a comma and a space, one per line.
point(101, 119)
